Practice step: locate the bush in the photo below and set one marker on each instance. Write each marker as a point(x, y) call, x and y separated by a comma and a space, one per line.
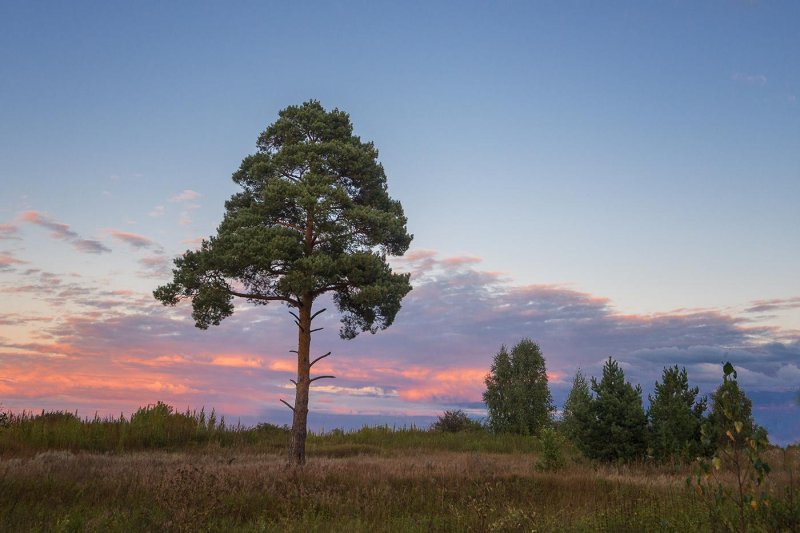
point(551, 454)
point(158, 426)
point(456, 421)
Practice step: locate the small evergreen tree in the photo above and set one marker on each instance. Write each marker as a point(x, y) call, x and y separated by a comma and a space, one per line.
point(730, 406)
point(617, 422)
point(575, 417)
point(517, 396)
point(675, 416)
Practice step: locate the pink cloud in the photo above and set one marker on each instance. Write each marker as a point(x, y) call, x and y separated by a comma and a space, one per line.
point(419, 255)
point(237, 361)
point(186, 195)
point(7, 260)
point(8, 232)
point(781, 304)
point(435, 356)
point(133, 239)
point(461, 260)
point(194, 242)
point(62, 232)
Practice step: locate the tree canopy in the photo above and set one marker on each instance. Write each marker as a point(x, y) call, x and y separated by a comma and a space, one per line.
point(617, 420)
point(575, 417)
point(731, 412)
point(314, 216)
point(675, 416)
point(517, 394)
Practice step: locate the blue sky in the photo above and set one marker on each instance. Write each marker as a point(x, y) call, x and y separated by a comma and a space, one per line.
point(644, 155)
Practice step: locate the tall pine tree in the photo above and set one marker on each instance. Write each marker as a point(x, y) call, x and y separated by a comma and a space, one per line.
point(313, 217)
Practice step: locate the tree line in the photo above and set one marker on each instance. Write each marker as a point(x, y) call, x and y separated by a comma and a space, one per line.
point(605, 418)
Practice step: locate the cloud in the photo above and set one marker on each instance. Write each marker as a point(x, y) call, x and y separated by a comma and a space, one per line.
point(155, 266)
point(434, 357)
point(377, 392)
point(134, 240)
point(766, 306)
point(186, 195)
point(750, 79)
point(7, 261)
point(90, 246)
point(8, 232)
point(194, 242)
point(157, 211)
point(63, 232)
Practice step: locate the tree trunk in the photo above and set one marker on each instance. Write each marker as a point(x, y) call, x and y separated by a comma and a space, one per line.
point(297, 446)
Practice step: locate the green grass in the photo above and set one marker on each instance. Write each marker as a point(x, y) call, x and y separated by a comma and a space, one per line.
point(160, 427)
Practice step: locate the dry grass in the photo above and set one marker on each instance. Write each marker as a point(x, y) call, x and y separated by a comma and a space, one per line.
point(439, 491)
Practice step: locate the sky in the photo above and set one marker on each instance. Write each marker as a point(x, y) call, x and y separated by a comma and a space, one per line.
point(616, 179)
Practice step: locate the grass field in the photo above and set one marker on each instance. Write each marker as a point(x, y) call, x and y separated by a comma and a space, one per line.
point(104, 475)
point(413, 490)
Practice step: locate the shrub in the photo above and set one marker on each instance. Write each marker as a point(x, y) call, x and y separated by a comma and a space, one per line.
point(158, 426)
point(551, 454)
point(455, 421)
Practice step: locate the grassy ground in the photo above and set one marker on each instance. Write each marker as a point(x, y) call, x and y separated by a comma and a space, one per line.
point(162, 471)
point(411, 490)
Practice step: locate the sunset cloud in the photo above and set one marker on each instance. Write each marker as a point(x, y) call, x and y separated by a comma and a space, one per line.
point(766, 306)
point(187, 195)
point(434, 357)
point(63, 232)
point(8, 232)
point(133, 239)
point(7, 261)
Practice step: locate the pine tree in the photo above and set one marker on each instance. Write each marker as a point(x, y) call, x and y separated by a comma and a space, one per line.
point(313, 217)
point(617, 423)
point(575, 417)
point(675, 416)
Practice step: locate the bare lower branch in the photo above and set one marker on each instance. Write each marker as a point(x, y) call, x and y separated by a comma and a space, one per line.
point(287, 404)
point(293, 351)
point(318, 358)
point(312, 380)
point(318, 313)
point(293, 381)
point(316, 329)
point(297, 318)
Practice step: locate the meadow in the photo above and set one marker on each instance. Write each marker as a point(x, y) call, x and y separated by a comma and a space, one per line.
point(167, 471)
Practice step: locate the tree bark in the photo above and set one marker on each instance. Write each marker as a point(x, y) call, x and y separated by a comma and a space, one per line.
point(297, 446)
